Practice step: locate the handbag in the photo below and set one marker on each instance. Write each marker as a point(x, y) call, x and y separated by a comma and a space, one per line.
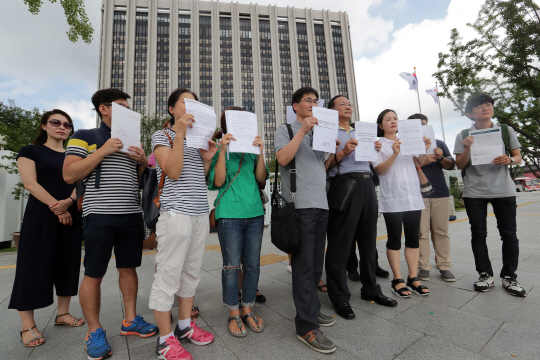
point(212, 215)
point(340, 192)
point(285, 228)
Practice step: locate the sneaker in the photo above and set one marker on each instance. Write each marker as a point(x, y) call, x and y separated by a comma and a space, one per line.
point(316, 340)
point(171, 350)
point(138, 327)
point(423, 275)
point(513, 287)
point(289, 268)
point(97, 346)
point(485, 281)
point(194, 334)
point(447, 275)
point(326, 320)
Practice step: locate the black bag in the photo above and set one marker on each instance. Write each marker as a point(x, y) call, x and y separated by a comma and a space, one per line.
point(149, 186)
point(340, 192)
point(285, 229)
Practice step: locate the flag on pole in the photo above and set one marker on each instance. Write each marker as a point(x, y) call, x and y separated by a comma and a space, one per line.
point(411, 79)
point(433, 93)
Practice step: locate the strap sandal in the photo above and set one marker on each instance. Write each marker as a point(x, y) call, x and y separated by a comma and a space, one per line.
point(238, 320)
point(36, 337)
point(322, 288)
point(400, 292)
point(417, 289)
point(257, 329)
point(74, 324)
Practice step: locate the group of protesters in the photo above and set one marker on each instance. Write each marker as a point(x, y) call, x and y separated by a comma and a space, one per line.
point(89, 192)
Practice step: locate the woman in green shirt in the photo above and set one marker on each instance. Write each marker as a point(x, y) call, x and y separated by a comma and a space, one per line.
point(240, 217)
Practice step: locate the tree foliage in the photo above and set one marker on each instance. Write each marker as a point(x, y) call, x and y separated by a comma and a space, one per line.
point(503, 61)
point(79, 24)
point(149, 125)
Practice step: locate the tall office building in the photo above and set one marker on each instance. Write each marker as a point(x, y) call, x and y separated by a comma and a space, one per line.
point(247, 55)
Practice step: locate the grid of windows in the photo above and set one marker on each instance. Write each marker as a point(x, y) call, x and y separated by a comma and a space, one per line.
point(184, 51)
point(341, 75)
point(205, 59)
point(119, 50)
point(246, 62)
point(267, 82)
point(141, 61)
point(303, 55)
point(162, 63)
point(226, 62)
point(285, 64)
point(322, 63)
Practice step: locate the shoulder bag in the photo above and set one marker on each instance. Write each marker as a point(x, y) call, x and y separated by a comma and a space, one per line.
point(212, 215)
point(340, 192)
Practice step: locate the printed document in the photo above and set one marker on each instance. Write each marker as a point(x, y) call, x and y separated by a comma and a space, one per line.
point(488, 144)
point(204, 125)
point(126, 126)
point(366, 134)
point(243, 126)
point(291, 115)
point(325, 134)
point(430, 133)
point(411, 136)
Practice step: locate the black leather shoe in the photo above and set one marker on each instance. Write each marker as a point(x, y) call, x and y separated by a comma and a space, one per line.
point(345, 311)
point(381, 272)
point(381, 300)
point(354, 275)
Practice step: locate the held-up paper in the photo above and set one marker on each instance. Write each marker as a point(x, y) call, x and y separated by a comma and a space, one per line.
point(366, 134)
point(488, 144)
point(291, 115)
point(126, 126)
point(325, 134)
point(243, 126)
point(430, 133)
point(411, 136)
point(204, 125)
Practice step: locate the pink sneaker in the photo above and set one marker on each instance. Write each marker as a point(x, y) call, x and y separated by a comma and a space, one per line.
point(194, 334)
point(172, 350)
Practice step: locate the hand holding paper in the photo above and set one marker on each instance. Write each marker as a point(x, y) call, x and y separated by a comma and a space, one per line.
point(326, 133)
point(366, 134)
point(243, 125)
point(429, 133)
point(204, 125)
point(126, 126)
point(411, 136)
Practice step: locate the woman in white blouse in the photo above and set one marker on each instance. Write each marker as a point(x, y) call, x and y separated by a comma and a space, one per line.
point(400, 202)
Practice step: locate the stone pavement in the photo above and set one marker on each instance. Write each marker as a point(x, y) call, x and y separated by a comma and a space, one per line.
point(454, 322)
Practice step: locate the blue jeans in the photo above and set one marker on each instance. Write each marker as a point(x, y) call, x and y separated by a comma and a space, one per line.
point(240, 241)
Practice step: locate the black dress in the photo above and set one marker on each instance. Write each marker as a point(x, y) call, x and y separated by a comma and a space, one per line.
point(49, 253)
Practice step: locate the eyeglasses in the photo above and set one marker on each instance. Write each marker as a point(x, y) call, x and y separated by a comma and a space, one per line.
point(487, 105)
point(344, 104)
point(121, 104)
point(57, 123)
point(313, 102)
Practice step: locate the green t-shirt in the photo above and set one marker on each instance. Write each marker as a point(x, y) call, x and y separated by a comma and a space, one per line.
point(242, 200)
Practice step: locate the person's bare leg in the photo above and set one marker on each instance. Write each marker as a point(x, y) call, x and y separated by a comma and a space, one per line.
point(90, 299)
point(163, 320)
point(394, 258)
point(290, 259)
point(63, 308)
point(411, 256)
point(129, 284)
point(184, 307)
point(27, 319)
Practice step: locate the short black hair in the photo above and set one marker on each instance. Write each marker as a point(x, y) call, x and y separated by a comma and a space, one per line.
point(380, 132)
point(299, 94)
point(418, 116)
point(107, 96)
point(173, 99)
point(476, 100)
point(332, 100)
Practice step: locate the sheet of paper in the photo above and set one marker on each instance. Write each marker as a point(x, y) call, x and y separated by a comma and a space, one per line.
point(126, 125)
point(325, 134)
point(291, 115)
point(366, 134)
point(488, 144)
point(204, 125)
point(320, 102)
point(243, 126)
point(411, 136)
point(430, 133)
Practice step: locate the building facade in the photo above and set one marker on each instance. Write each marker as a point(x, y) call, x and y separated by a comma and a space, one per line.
point(229, 54)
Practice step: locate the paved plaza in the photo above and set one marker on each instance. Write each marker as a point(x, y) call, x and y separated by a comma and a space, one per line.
point(454, 322)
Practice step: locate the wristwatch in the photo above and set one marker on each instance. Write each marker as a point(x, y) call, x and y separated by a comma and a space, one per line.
point(441, 159)
point(512, 160)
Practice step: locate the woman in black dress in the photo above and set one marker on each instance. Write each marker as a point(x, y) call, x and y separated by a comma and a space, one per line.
point(49, 253)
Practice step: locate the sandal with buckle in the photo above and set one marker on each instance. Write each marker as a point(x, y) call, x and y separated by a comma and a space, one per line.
point(74, 324)
point(400, 292)
point(36, 337)
point(238, 320)
point(253, 328)
point(417, 289)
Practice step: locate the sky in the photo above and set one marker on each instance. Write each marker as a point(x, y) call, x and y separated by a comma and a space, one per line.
point(40, 67)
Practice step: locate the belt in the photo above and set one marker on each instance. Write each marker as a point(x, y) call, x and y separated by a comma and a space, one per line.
point(359, 175)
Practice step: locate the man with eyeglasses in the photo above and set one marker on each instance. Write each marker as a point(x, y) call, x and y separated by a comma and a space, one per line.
point(490, 183)
point(111, 219)
point(312, 210)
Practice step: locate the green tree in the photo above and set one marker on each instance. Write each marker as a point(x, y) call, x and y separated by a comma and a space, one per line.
point(149, 125)
point(503, 61)
point(79, 24)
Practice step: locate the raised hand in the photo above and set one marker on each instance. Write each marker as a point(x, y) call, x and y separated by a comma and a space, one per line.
point(308, 124)
point(258, 142)
point(181, 125)
point(111, 146)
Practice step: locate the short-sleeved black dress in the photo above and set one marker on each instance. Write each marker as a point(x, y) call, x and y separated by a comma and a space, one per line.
point(49, 253)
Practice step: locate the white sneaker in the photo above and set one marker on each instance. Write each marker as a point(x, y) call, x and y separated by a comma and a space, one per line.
point(289, 268)
point(485, 281)
point(513, 287)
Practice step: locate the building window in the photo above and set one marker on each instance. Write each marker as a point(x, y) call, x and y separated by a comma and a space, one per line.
point(226, 62)
point(162, 63)
point(246, 63)
point(141, 61)
point(341, 76)
point(205, 59)
point(285, 65)
point(184, 51)
point(322, 63)
point(118, 50)
point(303, 55)
point(267, 80)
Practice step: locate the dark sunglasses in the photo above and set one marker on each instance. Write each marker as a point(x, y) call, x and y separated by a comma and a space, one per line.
point(57, 123)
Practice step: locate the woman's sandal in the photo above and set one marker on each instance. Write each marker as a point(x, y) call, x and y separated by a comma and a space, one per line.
point(253, 328)
point(321, 287)
point(400, 292)
point(417, 289)
point(36, 337)
point(74, 324)
point(239, 324)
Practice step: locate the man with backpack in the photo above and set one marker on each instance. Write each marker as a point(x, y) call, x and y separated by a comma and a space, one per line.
point(111, 219)
point(490, 183)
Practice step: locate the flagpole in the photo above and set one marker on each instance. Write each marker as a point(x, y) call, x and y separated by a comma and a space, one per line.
point(417, 92)
point(440, 111)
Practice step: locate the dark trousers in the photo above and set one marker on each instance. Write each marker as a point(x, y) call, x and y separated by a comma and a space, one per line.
point(505, 213)
point(357, 224)
point(307, 266)
point(409, 221)
point(353, 262)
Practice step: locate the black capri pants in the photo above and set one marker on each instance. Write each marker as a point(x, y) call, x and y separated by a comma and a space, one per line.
point(409, 221)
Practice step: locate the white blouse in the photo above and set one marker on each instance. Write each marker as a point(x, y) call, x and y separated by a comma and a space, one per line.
point(399, 186)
